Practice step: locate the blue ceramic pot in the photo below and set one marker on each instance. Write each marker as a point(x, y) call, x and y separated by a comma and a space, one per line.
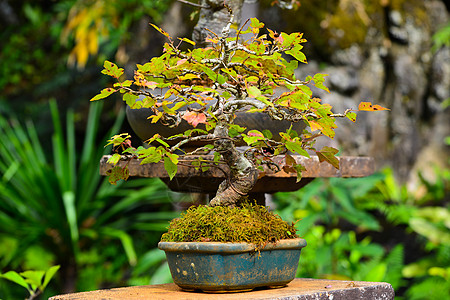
point(228, 267)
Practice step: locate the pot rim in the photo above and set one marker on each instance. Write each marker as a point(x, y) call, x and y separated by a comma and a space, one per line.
point(218, 247)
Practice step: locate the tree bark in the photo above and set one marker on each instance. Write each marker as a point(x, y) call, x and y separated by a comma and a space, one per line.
point(243, 173)
point(215, 17)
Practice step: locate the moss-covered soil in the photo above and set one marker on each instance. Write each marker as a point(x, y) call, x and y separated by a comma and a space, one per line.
point(249, 223)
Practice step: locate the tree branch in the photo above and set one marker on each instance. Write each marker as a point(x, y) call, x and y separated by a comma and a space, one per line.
point(209, 137)
point(244, 102)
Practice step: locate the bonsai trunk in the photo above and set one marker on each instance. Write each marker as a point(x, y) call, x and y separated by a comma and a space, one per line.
point(215, 16)
point(243, 173)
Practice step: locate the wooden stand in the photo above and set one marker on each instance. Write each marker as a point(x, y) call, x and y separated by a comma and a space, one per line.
point(299, 289)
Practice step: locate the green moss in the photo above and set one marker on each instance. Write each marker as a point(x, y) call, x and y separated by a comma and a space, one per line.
point(249, 223)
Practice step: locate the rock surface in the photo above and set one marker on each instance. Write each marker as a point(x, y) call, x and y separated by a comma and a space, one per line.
point(395, 65)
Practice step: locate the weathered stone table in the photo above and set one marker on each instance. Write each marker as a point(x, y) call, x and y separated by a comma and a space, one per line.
point(298, 289)
point(190, 180)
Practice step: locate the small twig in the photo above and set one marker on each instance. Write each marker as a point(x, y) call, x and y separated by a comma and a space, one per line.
point(211, 165)
point(210, 162)
point(240, 29)
point(230, 65)
point(271, 164)
point(212, 32)
point(199, 151)
point(193, 4)
point(245, 49)
point(304, 140)
point(297, 82)
point(206, 137)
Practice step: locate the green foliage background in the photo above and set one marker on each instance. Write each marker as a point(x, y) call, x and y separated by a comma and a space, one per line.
point(56, 210)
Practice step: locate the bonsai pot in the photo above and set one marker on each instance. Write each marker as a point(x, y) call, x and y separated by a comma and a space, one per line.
point(232, 267)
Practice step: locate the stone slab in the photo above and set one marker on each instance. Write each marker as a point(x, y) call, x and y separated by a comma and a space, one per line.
point(188, 179)
point(298, 289)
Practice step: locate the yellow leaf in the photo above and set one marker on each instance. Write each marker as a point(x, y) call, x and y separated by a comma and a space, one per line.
point(367, 106)
point(188, 77)
point(92, 39)
point(314, 126)
point(81, 53)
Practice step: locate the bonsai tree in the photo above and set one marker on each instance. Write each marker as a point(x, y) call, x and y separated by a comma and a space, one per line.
point(209, 86)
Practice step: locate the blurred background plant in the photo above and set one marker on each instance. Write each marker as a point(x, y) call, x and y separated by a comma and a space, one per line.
point(56, 210)
point(374, 229)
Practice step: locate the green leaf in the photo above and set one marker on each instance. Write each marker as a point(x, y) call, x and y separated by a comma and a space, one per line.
point(319, 80)
point(210, 73)
point(173, 157)
point(235, 130)
point(253, 91)
point(150, 155)
point(162, 142)
point(305, 89)
point(205, 167)
point(231, 72)
point(217, 156)
point(111, 69)
point(256, 133)
point(255, 23)
point(327, 126)
point(226, 95)
point(170, 167)
point(253, 136)
point(328, 154)
point(299, 169)
point(48, 276)
point(117, 173)
point(16, 278)
point(264, 100)
point(297, 54)
point(131, 100)
point(267, 134)
point(118, 139)
point(33, 277)
point(351, 116)
point(103, 94)
point(287, 39)
point(114, 159)
point(126, 83)
point(296, 146)
point(221, 79)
